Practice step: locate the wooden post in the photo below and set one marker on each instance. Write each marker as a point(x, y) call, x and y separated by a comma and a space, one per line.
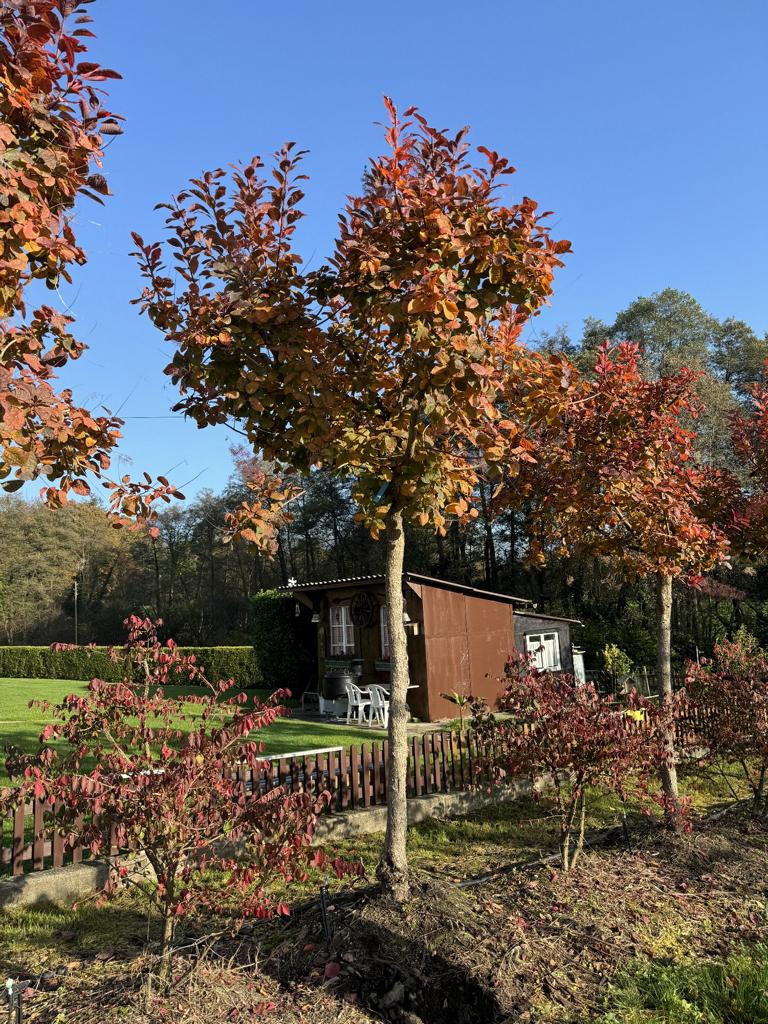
point(57, 844)
point(343, 780)
point(366, 775)
point(354, 757)
point(434, 749)
point(427, 764)
point(416, 767)
point(38, 839)
point(329, 766)
point(17, 849)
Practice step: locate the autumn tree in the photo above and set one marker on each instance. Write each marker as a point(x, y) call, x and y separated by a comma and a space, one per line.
point(744, 505)
point(52, 125)
point(615, 479)
point(384, 364)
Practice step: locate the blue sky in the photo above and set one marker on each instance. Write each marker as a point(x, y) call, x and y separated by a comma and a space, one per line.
point(642, 124)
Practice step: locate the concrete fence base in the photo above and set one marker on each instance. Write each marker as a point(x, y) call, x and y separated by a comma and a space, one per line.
point(76, 882)
point(435, 805)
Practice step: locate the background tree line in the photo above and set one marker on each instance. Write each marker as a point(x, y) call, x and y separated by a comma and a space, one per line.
point(202, 587)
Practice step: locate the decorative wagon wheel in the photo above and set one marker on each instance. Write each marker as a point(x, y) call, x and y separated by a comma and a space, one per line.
point(362, 609)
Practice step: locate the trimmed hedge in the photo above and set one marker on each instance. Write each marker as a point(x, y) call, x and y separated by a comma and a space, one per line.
point(238, 663)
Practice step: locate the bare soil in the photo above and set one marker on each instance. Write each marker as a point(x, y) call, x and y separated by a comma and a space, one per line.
point(528, 945)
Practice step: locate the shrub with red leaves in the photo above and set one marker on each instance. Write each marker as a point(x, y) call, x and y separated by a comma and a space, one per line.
point(184, 799)
point(730, 698)
point(569, 734)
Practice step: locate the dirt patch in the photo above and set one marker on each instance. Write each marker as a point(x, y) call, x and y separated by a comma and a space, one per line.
point(531, 945)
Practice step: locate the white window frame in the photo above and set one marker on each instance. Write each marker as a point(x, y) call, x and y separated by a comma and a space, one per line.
point(544, 650)
point(384, 632)
point(342, 630)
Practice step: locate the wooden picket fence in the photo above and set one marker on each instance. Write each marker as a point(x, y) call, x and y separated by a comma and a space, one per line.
point(356, 777)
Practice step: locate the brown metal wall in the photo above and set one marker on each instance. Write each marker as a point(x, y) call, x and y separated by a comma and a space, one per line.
point(467, 640)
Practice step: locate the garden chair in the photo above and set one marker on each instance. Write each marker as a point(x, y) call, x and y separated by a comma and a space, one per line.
point(358, 703)
point(311, 695)
point(379, 706)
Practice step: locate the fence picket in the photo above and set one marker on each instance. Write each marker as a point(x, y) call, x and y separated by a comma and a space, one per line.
point(354, 758)
point(329, 767)
point(343, 780)
point(38, 837)
point(434, 749)
point(416, 767)
point(17, 848)
point(366, 775)
point(58, 841)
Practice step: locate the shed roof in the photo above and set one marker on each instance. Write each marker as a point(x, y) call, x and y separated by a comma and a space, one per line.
point(411, 577)
point(531, 613)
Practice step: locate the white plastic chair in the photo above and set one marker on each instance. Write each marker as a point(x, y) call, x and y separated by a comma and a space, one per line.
point(358, 703)
point(379, 706)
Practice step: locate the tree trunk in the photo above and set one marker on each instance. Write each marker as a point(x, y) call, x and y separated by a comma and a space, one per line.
point(393, 866)
point(664, 681)
point(166, 949)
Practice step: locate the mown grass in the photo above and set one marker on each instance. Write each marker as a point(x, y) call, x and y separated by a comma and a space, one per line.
point(733, 991)
point(20, 725)
point(47, 933)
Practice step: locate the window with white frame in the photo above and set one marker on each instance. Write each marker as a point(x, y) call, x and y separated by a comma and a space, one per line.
point(342, 630)
point(544, 650)
point(384, 630)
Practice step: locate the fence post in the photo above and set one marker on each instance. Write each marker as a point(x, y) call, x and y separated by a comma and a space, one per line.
point(329, 765)
point(436, 761)
point(366, 775)
point(17, 849)
point(38, 838)
point(354, 758)
point(343, 780)
point(416, 767)
point(427, 764)
point(57, 841)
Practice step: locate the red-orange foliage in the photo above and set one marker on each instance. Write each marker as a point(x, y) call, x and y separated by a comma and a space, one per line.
point(571, 737)
point(52, 123)
point(384, 365)
point(615, 476)
point(731, 695)
point(615, 479)
point(744, 509)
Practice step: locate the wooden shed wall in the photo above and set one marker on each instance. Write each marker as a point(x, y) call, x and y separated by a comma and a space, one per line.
point(531, 623)
point(466, 642)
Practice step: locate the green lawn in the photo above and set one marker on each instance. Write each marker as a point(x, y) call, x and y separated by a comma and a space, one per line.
point(21, 725)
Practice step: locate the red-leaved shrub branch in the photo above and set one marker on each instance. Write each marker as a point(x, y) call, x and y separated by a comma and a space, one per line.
point(128, 767)
point(730, 697)
point(573, 739)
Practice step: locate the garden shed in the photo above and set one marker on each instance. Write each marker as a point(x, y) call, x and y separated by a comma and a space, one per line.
point(459, 636)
